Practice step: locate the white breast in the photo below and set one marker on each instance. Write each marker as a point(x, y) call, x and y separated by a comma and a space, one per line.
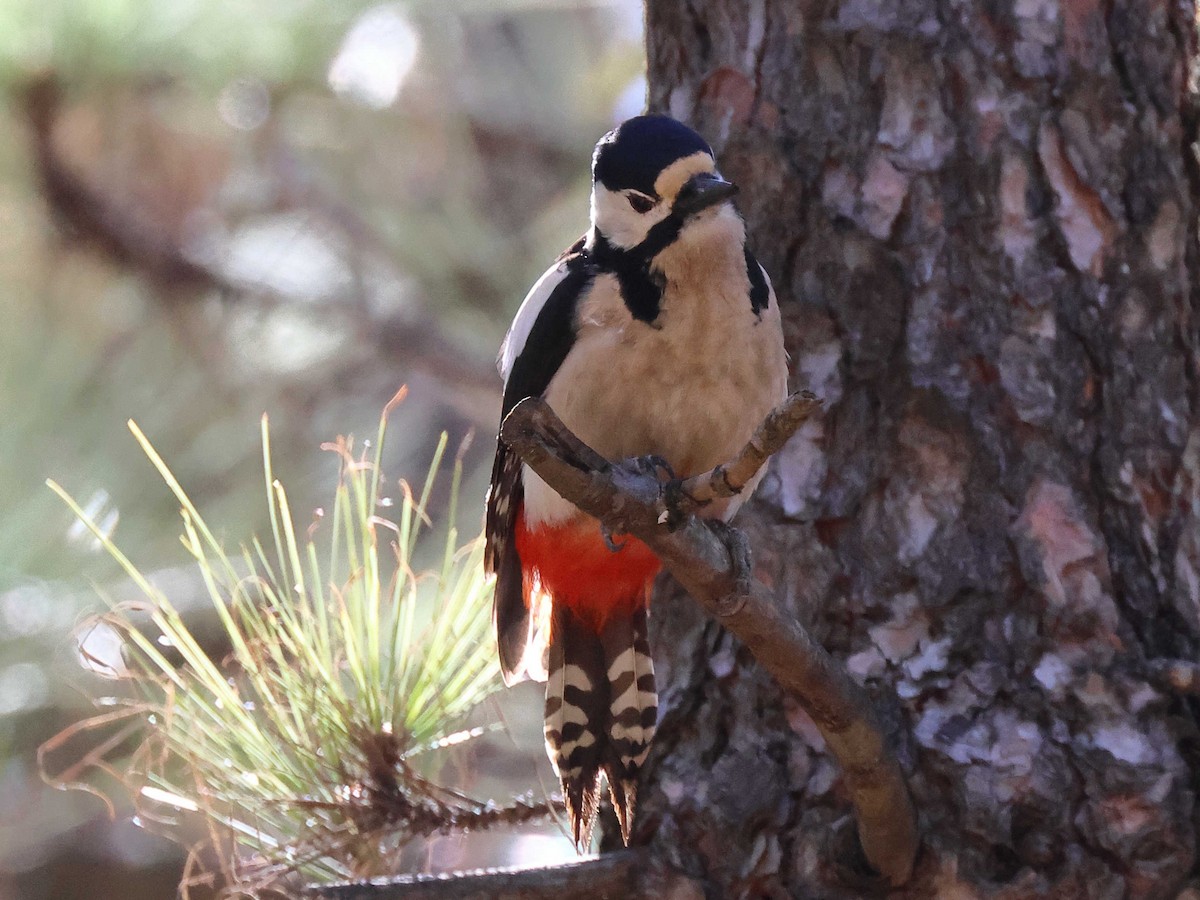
point(690, 388)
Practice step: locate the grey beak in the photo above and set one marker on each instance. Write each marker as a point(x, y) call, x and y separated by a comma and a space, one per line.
point(702, 191)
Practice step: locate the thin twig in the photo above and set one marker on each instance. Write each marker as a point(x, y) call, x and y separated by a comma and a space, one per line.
point(626, 499)
point(730, 479)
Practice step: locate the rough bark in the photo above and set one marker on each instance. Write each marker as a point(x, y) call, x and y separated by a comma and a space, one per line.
point(980, 219)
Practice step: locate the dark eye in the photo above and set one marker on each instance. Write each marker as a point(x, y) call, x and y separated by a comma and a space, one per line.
point(640, 203)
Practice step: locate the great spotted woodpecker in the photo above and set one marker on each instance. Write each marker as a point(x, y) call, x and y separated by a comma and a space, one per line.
point(656, 333)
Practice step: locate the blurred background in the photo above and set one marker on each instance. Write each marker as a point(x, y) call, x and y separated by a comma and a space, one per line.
point(213, 210)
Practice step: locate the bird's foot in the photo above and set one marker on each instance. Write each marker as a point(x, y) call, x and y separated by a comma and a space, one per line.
point(653, 464)
point(676, 504)
point(674, 501)
point(737, 545)
point(612, 545)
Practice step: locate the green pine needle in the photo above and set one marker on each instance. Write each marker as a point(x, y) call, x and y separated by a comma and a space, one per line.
point(345, 664)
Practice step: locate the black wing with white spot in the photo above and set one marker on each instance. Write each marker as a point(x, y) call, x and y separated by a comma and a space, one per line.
point(540, 338)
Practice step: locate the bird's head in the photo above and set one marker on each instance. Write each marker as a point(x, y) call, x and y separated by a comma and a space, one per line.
point(655, 182)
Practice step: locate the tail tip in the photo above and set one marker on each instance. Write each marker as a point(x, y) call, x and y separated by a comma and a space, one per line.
point(582, 796)
point(624, 798)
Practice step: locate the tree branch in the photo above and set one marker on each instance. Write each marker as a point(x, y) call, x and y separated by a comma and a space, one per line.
point(704, 559)
point(731, 478)
point(630, 874)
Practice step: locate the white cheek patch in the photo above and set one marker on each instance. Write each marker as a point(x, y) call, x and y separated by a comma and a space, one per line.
point(618, 221)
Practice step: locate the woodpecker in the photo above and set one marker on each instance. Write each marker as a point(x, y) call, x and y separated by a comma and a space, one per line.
point(656, 334)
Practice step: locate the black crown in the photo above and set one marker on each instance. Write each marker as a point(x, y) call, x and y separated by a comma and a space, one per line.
point(634, 153)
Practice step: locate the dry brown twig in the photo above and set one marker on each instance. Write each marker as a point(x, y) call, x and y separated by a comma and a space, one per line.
point(709, 562)
point(730, 479)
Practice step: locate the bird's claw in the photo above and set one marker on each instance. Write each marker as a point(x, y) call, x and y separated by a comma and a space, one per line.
point(612, 545)
point(653, 464)
point(740, 559)
point(674, 499)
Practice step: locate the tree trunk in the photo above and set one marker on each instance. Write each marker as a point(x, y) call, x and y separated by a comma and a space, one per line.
point(980, 219)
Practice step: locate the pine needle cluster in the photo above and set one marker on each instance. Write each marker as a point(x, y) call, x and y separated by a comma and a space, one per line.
point(301, 755)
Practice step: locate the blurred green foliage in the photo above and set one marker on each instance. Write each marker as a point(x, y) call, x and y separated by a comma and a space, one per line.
point(324, 246)
point(205, 43)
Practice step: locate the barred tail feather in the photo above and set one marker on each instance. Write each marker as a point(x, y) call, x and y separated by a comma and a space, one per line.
point(601, 708)
point(576, 716)
point(633, 709)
